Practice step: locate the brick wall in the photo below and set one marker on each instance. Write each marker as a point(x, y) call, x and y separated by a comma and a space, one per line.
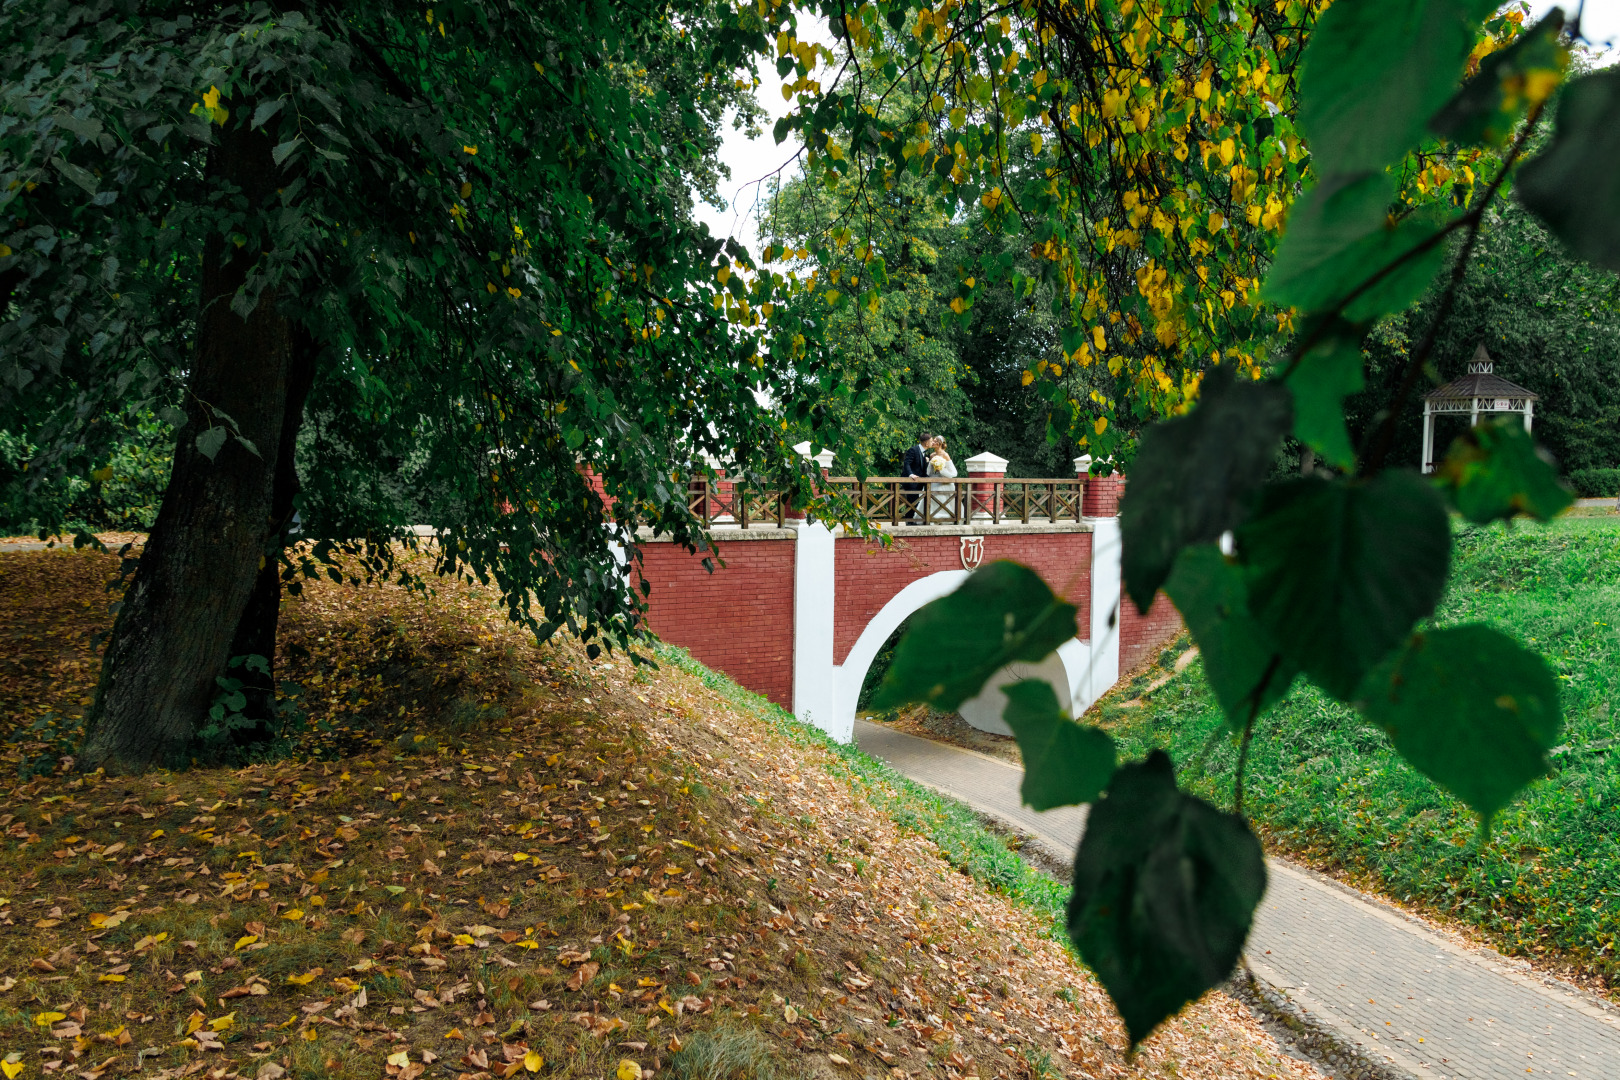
point(1141, 637)
point(869, 576)
point(738, 620)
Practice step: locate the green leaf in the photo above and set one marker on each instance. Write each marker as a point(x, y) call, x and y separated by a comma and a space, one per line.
point(1165, 888)
point(1241, 661)
point(1194, 475)
point(1340, 570)
point(1574, 186)
point(1004, 612)
point(1375, 71)
point(1487, 108)
point(1324, 377)
point(1065, 764)
point(1470, 708)
point(210, 440)
point(265, 111)
point(1339, 236)
point(84, 178)
point(1495, 470)
point(282, 150)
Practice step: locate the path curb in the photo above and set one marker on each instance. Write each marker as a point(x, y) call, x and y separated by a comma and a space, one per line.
point(1320, 1042)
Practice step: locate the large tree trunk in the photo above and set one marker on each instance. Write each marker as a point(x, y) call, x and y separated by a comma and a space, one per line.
point(212, 546)
point(261, 617)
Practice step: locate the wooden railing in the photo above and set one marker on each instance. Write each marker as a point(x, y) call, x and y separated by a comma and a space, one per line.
point(899, 500)
point(727, 502)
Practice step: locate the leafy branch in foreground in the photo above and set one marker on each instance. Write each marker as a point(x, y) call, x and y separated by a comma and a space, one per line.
point(1334, 574)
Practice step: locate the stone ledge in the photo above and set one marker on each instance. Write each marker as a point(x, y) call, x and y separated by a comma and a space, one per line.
point(723, 534)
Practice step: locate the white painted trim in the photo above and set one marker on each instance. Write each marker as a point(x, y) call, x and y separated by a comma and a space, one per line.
point(1106, 577)
point(1066, 670)
point(986, 463)
point(827, 694)
point(847, 677)
point(814, 698)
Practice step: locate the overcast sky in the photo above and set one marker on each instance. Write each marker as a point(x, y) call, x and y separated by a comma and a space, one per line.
point(751, 160)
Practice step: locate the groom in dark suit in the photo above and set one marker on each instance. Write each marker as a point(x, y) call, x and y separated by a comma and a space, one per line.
point(915, 464)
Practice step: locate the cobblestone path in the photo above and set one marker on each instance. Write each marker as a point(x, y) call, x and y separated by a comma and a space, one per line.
point(1376, 978)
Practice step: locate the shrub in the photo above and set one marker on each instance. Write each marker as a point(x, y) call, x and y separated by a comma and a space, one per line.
point(1595, 483)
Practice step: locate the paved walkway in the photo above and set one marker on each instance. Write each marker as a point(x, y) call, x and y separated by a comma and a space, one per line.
point(1378, 979)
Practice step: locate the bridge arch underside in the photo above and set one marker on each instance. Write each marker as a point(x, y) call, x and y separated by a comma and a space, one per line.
point(1067, 670)
point(878, 588)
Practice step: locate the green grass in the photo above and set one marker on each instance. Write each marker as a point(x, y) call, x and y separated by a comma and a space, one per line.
point(962, 839)
point(1323, 783)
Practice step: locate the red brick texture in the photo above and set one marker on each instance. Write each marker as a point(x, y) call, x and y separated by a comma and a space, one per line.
point(869, 575)
point(738, 619)
point(1142, 636)
point(1101, 497)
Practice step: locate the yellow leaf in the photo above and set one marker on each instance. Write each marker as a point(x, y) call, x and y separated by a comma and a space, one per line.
point(107, 922)
point(464, 939)
point(534, 1062)
point(244, 941)
point(302, 980)
point(294, 915)
point(399, 1060)
point(1098, 339)
point(12, 1069)
point(474, 149)
point(1201, 89)
point(194, 1022)
point(723, 274)
point(223, 1023)
point(628, 1070)
point(46, 1019)
point(111, 979)
point(1035, 143)
point(1101, 425)
point(156, 833)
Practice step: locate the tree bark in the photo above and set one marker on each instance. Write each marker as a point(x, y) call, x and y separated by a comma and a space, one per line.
point(212, 542)
point(261, 617)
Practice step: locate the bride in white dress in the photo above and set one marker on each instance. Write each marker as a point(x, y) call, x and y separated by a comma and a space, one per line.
point(941, 497)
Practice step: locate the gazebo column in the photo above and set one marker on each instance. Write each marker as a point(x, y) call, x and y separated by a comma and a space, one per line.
point(1428, 438)
point(1473, 413)
point(1529, 410)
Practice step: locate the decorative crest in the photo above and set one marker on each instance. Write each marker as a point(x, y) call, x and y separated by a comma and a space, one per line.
point(1481, 364)
point(972, 552)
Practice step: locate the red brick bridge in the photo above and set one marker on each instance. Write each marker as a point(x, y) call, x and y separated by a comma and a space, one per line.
point(799, 611)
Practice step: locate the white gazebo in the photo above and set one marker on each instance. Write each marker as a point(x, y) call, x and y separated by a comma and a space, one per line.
point(1481, 391)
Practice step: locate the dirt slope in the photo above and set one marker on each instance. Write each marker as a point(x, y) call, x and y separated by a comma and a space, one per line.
point(516, 862)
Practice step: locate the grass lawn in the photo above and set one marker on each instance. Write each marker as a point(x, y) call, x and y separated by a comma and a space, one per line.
point(1326, 786)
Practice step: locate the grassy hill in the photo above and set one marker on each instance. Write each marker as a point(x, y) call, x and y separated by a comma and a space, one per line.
point(480, 858)
point(1325, 786)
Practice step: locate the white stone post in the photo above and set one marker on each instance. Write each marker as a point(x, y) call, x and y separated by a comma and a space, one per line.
point(1428, 438)
point(815, 695)
point(1103, 661)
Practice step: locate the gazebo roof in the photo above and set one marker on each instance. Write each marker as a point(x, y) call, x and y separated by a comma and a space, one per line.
point(1480, 382)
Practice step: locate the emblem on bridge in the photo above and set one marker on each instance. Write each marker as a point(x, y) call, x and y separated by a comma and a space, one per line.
point(972, 552)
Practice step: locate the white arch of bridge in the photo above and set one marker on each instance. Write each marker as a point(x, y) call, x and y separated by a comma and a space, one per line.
point(827, 694)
